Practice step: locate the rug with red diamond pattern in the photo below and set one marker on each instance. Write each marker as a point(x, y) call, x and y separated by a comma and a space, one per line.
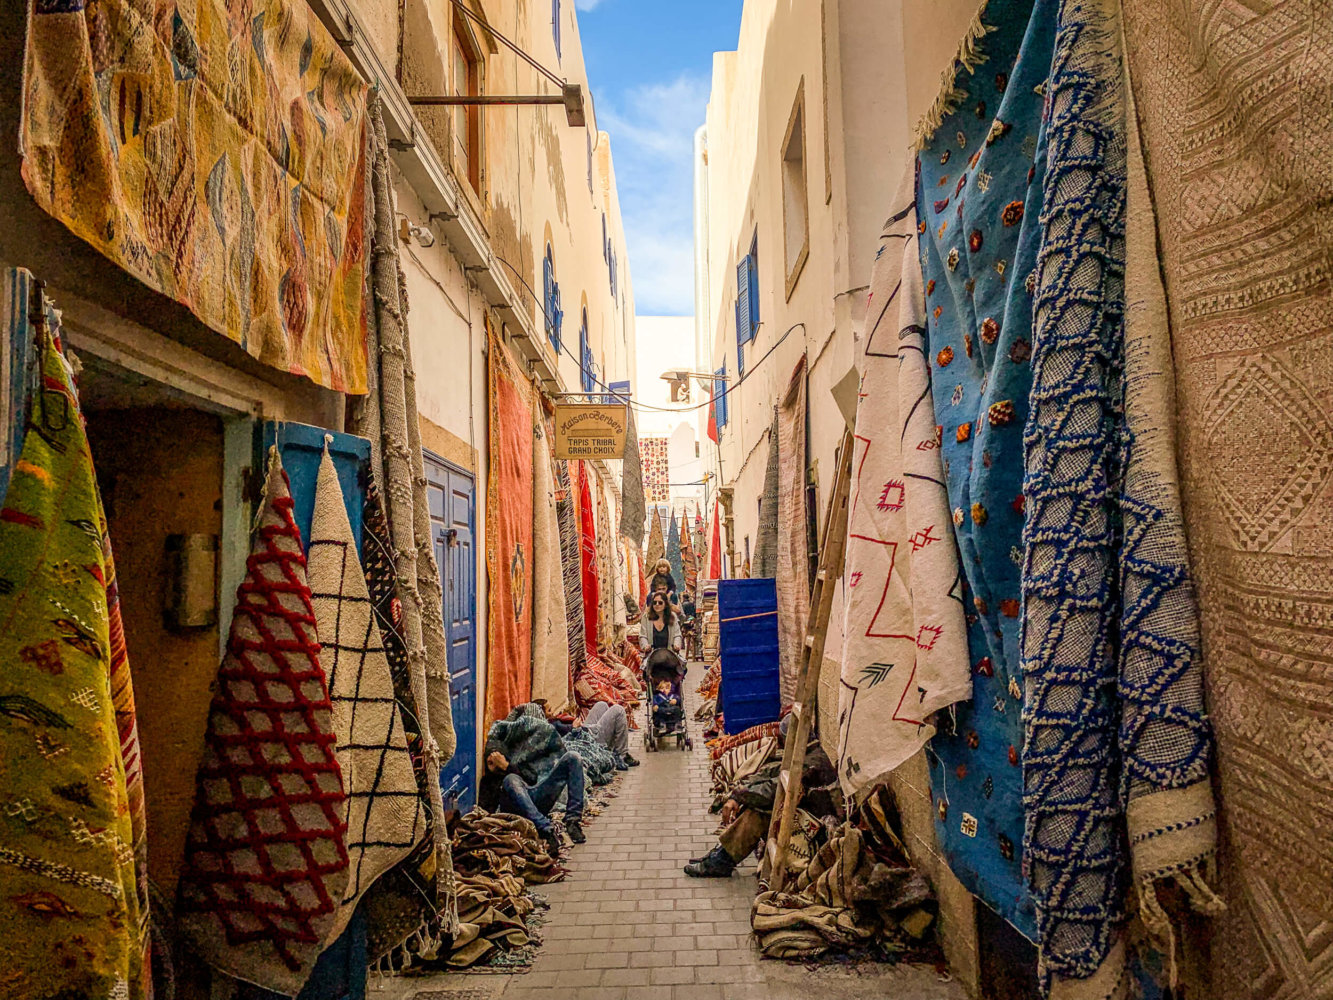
point(266, 860)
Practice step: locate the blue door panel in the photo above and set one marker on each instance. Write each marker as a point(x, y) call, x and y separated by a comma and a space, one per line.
point(748, 645)
point(302, 449)
point(452, 503)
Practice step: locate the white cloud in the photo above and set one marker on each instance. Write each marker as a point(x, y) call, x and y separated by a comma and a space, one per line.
point(652, 134)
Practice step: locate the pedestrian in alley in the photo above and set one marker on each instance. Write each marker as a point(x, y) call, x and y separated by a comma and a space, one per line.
point(527, 768)
point(659, 634)
point(662, 579)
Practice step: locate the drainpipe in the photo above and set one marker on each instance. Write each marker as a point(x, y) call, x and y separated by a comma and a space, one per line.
point(703, 314)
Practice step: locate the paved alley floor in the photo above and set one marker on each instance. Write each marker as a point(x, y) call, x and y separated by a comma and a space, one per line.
point(628, 923)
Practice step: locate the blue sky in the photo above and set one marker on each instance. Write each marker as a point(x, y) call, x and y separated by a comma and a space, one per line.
point(650, 63)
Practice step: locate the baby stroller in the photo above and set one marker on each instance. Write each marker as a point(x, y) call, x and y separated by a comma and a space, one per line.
point(663, 723)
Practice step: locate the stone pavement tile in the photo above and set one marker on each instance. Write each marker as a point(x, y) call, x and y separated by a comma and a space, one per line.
point(672, 976)
point(698, 991)
point(625, 977)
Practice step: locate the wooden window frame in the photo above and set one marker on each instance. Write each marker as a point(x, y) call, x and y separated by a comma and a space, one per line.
point(794, 266)
point(473, 55)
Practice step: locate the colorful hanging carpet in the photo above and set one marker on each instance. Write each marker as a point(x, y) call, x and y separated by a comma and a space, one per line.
point(1113, 686)
point(673, 553)
point(71, 914)
point(688, 560)
point(1233, 106)
point(266, 857)
point(509, 538)
point(588, 559)
point(385, 817)
point(765, 564)
point(571, 565)
point(715, 544)
point(217, 156)
point(656, 543)
point(633, 510)
point(793, 548)
point(550, 627)
point(403, 906)
point(606, 564)
point(904, 631)
point(978, 201)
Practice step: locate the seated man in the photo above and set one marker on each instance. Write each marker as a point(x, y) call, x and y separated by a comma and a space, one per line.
point(749, 808)
point(526, 769)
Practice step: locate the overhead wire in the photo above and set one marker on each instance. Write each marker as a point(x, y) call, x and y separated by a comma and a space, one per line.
point(648, 407)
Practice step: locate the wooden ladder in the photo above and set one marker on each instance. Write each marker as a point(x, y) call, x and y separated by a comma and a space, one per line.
point(774, 867)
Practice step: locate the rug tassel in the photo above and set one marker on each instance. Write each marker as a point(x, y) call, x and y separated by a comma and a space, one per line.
point(951, 95)
point(1158, 924)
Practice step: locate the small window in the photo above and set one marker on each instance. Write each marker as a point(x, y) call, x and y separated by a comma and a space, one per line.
point(795, 211)
point(555, 25)
point(551, 300)
point(720, 397)
point(467, 119)
point(586, 364)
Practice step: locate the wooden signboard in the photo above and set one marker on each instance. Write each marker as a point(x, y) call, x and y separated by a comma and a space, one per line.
point(587, 430)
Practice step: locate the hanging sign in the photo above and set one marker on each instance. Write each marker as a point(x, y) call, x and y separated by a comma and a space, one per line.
point(585, 430)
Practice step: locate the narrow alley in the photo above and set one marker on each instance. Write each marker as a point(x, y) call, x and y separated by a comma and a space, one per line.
point(706, 500)
point(628, 925)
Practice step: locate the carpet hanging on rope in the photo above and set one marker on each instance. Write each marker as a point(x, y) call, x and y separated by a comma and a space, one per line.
point(715, 545)
point(656, 543)
point(550, 629)
point(905, 633)
point(73, 922)
point(588, 558)
point(385, 817)
point(793, 549)
point(218, 154)
point(688, 560)
point(266, 856)
point(673, 551)
point(978, 202)
point(571, 565)
point(1232, 103)
point(633, 511)
point(509, 537)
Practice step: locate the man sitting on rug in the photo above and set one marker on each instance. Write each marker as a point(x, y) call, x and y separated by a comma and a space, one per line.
point(527, 767)
point(748, 809)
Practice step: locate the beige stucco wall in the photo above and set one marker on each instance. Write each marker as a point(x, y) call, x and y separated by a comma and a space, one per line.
point(877, 70)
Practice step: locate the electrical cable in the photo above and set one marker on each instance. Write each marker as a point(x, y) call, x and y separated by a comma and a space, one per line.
point(648, 407)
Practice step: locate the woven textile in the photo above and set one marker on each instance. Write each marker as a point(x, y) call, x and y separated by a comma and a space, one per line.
point(67, 840)
point(904, 651)
point(218, 155)
point(571, 566)
point(673, 553)
point(978, 207)
point(653, 453)
point(388, 417)
point(385, 817)
point(606, 564)
point(656, 542)
point(793, 550)
point(1234, 104)
point(550, 628)
point(402, 907)
point(509, 537)
point(266, 857)
point(1110, 609)
point(688, 560)
point(588, 558)
point(633, 509)
point(765, 563)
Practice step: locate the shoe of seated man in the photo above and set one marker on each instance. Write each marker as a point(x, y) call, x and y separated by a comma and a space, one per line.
point(621, 763)
point(551, 837)
point(629, 759)
point(574, 828)
point(716, 863)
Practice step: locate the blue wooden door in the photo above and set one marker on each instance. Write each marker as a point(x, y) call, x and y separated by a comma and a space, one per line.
point(302, 448)
point(452, 500)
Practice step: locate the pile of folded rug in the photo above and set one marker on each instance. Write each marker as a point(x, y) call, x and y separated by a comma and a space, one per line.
point(496, 858)
point(857, 891)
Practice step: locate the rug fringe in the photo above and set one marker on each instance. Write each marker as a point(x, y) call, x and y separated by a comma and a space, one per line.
point(951, 95)
point(1202, 898)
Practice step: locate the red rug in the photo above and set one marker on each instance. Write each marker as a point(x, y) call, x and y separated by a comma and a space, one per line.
point(509, 538)
point(588, 548)
point(266, 859)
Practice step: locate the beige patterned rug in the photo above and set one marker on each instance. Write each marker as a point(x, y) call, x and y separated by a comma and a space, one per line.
point(1236, 110)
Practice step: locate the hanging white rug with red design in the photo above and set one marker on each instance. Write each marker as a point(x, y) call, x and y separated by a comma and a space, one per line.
point(904, 632)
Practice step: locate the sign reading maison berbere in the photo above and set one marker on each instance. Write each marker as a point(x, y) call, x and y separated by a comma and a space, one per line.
point(585, 430)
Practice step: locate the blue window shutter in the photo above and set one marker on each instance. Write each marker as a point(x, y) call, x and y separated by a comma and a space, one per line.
point(720, 397)
point(548, 300)
point(555, 25)
point(754, 297)
point(557, 315)
point(740, 337)
point(744, 310)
